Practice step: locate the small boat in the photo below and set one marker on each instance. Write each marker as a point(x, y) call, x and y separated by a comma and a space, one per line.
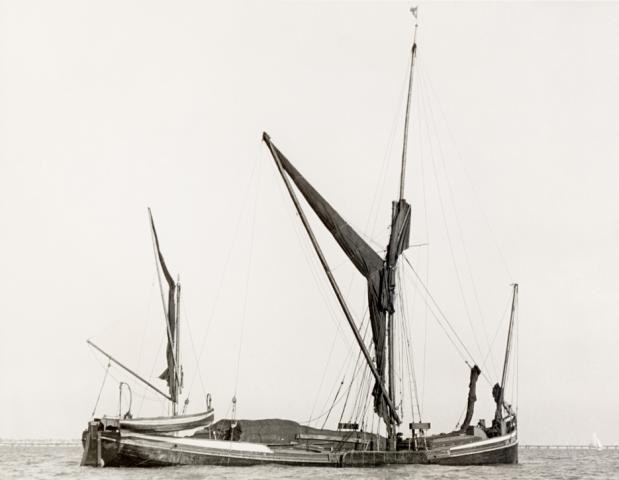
point(196, 440)
point(179, 423)
point(106, 436)
point(596, 443)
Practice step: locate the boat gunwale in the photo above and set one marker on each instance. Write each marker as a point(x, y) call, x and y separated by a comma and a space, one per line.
point(167, 417)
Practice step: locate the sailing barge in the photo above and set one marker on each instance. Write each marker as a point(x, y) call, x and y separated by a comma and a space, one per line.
point(195, 440)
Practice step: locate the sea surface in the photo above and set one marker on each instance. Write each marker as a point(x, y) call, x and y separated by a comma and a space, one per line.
point(63, 462)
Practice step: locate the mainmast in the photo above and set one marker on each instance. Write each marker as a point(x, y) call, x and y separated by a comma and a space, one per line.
point(408, 105)
point(378, 271)
point(392, 257)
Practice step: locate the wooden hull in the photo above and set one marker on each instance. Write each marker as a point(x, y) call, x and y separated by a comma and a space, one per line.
point(498, 450)
point(137, 450)
point(131, 449)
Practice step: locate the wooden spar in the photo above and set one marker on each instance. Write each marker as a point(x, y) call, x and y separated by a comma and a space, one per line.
point(177, 358)
point(390, 320)
point(408, 105)
point(391, 430)
point(331, 278)
point(177, 365)
point(508, 348)
point(130, 371)
point(391, 371)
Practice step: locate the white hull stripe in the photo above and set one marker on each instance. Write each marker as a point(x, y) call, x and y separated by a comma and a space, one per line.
point(477, 452)
point(492, 441)
point(171, 442)
point(159, 421)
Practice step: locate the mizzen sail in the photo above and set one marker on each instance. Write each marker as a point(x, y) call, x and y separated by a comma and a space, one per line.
point(171, 373)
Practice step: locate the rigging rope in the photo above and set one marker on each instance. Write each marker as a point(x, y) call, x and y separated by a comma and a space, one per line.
point(426, 216)
point(496, 334)
point(246, 190)
point(459, 418)
point(460, 231)
point(109, 373)
point(379, 187)
point(517, 362)
point(312, 263)
point(364, 328)
point(428, 107)
point(150, 375)
point(163, 303)
point(325, 412)
point(348, 391)
point(429, 296)
point(468, 177)
point(146, 318)
point(414, 393)
point(334, 400)
point(248, 277)
point(357, 368)
point(322, 379)
point(107, 370)
point(445, 224)
point(374, 210)
point(363, 393)
point(364, 396)
point(193, 348)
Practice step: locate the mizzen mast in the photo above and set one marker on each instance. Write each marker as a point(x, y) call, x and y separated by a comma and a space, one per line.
point(178, 372)
point(500, 398)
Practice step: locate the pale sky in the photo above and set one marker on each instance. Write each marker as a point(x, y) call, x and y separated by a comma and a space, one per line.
point(107, 108)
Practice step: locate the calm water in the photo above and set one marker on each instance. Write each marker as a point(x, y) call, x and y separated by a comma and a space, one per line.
point(63, 462)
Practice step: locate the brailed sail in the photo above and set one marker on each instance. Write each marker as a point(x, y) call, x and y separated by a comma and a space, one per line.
point(169, 374)
point(398, 242)
point(365, 259)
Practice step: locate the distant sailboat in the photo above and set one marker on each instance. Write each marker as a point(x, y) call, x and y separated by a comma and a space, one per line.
point(596, 443)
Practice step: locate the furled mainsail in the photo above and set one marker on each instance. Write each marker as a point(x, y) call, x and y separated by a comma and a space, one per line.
point(379, 273)
point(398, 242)
point(169, 373)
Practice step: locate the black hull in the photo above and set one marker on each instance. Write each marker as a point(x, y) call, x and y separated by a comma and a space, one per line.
point(138, 457)
point(495, 451)
point(502, 456)
point(128, 452)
